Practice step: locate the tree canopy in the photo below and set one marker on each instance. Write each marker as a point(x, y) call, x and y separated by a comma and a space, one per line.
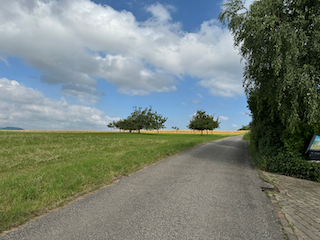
point(202, 121)
point(140, 119)
point(244, 127)
point(280, 42)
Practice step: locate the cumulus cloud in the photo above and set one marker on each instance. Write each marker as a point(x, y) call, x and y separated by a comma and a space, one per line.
point(226, 87)
point(25, 107)
point(76, 42)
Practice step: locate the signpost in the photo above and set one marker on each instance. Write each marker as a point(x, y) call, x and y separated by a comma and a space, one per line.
point(313, 149)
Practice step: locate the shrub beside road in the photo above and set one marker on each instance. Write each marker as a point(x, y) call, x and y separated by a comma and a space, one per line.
point(285, 163)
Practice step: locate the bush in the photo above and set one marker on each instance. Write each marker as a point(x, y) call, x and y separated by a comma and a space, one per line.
point(294, 167)
point(246, 136)
point(283, 160)
point(286, 163)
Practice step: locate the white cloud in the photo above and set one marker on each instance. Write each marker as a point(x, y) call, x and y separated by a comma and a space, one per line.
point(195, 101)
point(234, 125)
point(84, 94)
point(223, 118)
point(27, 108)
point(247, 3)
point(199, 95)
point(3, 59)
point(220, 86)
point(160, 12)
point(75, 42)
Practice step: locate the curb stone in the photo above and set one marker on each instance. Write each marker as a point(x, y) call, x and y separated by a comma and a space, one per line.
point(286, 226)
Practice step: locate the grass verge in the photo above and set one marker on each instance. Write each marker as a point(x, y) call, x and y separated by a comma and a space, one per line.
point(42, 171)
point(246, 136)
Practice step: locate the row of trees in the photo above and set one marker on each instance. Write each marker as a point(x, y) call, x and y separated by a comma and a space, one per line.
point(149, 120)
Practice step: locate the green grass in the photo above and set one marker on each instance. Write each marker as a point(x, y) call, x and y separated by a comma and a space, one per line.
point(246, 136)
point(42, 171)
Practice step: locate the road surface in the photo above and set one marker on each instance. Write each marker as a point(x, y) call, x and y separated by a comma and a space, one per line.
point(209, 192)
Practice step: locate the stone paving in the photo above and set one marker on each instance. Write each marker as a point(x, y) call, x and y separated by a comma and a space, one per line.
point(297, 204)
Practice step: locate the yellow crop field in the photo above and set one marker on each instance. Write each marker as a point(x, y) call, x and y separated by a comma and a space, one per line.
point(147, 131)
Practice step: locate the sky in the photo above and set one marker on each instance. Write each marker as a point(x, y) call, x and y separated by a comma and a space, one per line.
point(81, 64)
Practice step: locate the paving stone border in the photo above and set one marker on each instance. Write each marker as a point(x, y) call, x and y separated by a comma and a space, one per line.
point(287, 228)
point(297, 204)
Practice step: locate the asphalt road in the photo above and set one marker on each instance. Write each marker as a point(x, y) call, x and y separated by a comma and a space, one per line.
point(209, 192)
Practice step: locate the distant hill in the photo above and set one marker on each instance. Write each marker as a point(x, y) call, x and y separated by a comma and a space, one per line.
point(11, 128)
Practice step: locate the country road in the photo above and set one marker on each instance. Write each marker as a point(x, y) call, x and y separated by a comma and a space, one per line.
point(209, 192)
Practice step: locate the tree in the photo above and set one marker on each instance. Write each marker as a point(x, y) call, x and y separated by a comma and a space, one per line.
point(279, 39)
point(111, 125)
point(158, 121)
point(202, 121)
point(140, 119)
point(211, 124)
point(176, 128)
point(244, 127)
point(121, 125)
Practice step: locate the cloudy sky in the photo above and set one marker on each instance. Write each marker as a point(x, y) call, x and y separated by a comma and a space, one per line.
point(79, 64)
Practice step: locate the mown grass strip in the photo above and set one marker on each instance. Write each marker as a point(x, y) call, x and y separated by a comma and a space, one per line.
point(42, 171)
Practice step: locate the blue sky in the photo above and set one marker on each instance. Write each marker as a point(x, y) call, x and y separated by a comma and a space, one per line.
point(80, 64)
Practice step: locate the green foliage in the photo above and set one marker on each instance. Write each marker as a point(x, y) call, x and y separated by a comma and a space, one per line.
point(280, 41)
point(287, 164)
point(140, 119)
point(244, 127)
point(246, 136)
point(202, 121)
point(176, 128)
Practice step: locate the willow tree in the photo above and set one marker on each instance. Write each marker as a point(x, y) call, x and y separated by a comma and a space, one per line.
point(280, 42)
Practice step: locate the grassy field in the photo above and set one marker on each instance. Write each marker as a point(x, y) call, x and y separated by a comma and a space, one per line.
point(42, 171)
